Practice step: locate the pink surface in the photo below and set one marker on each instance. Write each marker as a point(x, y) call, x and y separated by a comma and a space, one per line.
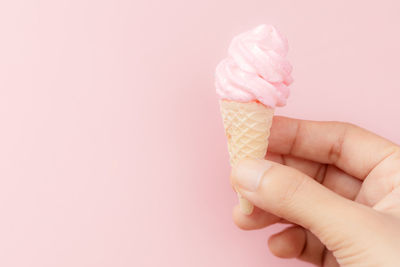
point(112, 151)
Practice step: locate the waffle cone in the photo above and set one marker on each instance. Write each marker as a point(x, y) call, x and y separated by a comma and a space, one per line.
point(247, 128)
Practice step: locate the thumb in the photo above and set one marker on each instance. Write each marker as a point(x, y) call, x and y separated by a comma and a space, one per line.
point(296, 197)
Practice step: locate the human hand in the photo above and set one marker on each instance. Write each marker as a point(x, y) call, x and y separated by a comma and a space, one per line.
point(337, 183)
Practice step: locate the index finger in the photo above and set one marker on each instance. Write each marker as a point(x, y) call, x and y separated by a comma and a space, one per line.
point(348, 147)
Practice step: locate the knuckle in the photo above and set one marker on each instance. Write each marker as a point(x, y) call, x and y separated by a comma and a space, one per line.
point(291, 190)
point(394, 151)
point(347, 125)
point(294, 188)
point(335, 150)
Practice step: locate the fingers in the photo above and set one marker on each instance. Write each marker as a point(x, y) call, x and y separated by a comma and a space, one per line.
point(256, 220)
point(341, 183)
point(308, 167)
point(350, 148)
point(292, 195)
point(313, 251)
point(328, 175)
point(381, 181)
point(296, 242)
point(331, 177)
point(289, 243)
point(391, 203)
point(329, 260)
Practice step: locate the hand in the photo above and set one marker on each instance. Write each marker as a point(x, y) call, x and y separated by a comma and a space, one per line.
point(337, 183)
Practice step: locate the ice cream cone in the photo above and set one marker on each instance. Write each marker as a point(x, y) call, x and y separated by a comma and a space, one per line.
point(250, 82)
point(247, 127)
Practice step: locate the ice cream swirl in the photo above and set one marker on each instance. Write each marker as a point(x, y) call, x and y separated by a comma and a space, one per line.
point(256, 68)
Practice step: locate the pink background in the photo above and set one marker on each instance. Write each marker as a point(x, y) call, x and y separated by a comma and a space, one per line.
point(112, 150)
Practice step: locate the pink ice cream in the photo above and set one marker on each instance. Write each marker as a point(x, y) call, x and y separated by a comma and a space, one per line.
point(256, 68)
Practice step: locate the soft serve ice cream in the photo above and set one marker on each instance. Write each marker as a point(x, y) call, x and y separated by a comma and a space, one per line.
point(256, 68)
point(251, 82)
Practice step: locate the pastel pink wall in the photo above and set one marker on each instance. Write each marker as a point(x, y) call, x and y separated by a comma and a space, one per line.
point(112, 151)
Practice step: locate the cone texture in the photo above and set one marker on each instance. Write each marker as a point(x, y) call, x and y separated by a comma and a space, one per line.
point(247, 127)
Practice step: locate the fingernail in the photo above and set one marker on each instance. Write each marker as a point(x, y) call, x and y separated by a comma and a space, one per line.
point(249, 172)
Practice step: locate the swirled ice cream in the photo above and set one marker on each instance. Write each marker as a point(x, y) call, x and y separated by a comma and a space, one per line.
point(256, 68)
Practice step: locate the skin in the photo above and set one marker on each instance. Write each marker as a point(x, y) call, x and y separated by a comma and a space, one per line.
point(338, 186)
